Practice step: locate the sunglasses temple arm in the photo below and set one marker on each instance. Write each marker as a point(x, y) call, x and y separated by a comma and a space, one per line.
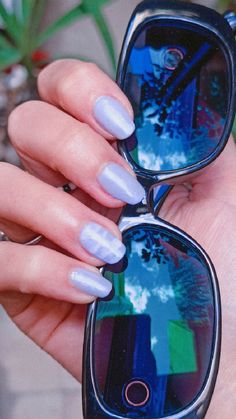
point(231, 18)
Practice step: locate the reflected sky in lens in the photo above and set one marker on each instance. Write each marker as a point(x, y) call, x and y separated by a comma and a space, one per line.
point(179, 96)
point(151, 286)
point(159, 323)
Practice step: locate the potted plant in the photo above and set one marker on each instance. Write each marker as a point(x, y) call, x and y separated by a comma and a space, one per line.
point(21, 53)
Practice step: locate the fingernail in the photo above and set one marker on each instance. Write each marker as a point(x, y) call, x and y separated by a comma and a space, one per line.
point(101, 243)
point(113, 117)
point(119, 183)
point(90, 282)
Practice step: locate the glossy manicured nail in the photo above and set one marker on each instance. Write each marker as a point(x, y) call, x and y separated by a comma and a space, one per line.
point(113, 117)
point(90, 282)
point(119, 183)
point(101, 243)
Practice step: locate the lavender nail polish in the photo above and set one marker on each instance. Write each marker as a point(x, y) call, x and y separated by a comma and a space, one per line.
point(90, 282)
point(113, 117)
point(98, 241)
point(119, 183)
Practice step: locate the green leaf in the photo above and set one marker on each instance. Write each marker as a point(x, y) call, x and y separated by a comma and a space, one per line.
point(93, 7)
point(31, 15)
point(95, 3)
point(9, 56)
point(17, 8)
point(12, 26)
point(27, 10)
point(4, 43)
point(37, 14)
point(61, 23)
point(106, 36)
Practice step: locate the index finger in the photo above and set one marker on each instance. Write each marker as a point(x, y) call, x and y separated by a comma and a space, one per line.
point(87, 93)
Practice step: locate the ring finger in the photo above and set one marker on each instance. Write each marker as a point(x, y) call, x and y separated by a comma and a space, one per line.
point(59, 217)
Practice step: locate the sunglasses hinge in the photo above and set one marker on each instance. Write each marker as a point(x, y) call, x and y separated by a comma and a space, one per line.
point(231, 19)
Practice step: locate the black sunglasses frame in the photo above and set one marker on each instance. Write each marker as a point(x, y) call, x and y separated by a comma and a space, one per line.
point(147, 12)
point(93, 407)
point(151, 11)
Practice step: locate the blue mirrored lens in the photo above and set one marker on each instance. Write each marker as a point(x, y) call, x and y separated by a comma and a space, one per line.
point(154, 338)
point(177, 82)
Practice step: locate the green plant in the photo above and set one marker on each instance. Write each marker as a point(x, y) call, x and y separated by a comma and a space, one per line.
point(22, 35)
point(226, 4)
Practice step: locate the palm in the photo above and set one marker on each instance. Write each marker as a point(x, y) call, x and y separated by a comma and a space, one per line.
point(206, 210)
point(208, 213)
point(56, 326)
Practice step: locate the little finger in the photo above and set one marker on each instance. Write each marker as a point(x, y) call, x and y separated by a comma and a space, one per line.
point(39, 270)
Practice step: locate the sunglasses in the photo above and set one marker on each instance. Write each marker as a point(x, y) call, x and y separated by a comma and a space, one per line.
point(152, 347)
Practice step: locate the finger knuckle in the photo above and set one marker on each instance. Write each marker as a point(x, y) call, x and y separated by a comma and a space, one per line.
point(33, 272)
point(50, 72)
point(19, 116)
point(71, 140)
point(73, 76)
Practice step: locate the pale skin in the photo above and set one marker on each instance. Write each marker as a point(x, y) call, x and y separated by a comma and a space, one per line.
point(54, 138)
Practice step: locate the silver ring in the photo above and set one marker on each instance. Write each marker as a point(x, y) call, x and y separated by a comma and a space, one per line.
point(35, 240)
point(68, 187)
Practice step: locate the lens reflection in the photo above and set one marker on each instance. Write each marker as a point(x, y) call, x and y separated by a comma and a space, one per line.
point(158, 327)
point(176, 80)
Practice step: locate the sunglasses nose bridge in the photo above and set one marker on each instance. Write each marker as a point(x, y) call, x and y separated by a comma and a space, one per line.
point(155, 192)
point(156, 197)
point(148, 184)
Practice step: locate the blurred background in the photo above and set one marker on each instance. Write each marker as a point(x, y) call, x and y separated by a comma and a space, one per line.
point(32, 34)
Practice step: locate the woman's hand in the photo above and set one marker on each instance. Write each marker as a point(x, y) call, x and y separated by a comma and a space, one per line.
point(70, 138)
point(66, 137)
point(206, 209)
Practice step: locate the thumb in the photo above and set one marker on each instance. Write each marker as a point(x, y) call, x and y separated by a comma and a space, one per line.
point(218, 180)
point(200, 206)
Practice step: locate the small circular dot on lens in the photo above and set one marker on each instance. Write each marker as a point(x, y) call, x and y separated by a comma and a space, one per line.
point(137, 393)
point(172, 58)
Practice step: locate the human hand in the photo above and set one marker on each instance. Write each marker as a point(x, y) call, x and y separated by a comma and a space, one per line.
point(205, 208)
point(48, 309)
point(58, 141)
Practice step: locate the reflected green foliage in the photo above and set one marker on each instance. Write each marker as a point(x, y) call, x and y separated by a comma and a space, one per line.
point(222, 6)
point(192, 301)
point(158, 325)
point(22, 34)
point(158, 271)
